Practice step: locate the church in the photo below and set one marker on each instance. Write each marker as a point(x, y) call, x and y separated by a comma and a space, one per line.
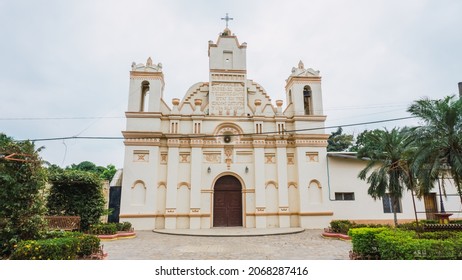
point(225, 155)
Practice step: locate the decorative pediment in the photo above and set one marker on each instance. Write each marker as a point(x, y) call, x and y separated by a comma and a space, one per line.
point(148, 67)
point(300, 71)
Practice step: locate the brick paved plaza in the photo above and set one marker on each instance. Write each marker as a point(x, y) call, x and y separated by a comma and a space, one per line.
point(307, 245)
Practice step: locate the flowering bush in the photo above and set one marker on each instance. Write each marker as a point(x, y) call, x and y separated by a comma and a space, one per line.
point(64, 248)
point(58, 246)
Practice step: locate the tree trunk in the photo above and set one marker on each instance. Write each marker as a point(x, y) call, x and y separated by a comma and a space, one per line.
point(415, 209)
point(395, 210)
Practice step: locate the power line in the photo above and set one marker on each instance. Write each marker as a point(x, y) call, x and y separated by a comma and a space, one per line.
point(208, 136)
point(356, 107)
point(55, 118)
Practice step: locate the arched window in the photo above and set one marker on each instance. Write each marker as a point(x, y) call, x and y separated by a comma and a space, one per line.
point(307, 100)
point(290, 97)
point(144, 96)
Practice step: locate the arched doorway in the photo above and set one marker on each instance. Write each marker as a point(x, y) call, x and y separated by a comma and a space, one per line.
point(227, 202)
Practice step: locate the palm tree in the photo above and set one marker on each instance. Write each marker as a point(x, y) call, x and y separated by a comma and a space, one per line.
point(439, 141)
point(389, 154)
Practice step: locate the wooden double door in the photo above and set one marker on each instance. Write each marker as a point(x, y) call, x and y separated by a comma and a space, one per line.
point(227, 202)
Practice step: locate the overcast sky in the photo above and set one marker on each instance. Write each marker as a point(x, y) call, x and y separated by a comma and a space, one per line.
point(65, 63)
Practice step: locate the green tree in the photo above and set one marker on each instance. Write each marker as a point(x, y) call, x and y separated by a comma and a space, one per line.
point(22, 183)
point(388, 167)
point(106, 173)
point(76, 192)
point(339, 142)
point(363, 143)
point(109, 172)
point(439, 141)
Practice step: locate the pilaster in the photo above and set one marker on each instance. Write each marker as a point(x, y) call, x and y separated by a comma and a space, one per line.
point(172, 182)
point(196, 171)
point(283, 190)
point(260, 196)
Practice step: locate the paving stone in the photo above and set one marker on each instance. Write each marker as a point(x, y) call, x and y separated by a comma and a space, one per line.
point(148, 245)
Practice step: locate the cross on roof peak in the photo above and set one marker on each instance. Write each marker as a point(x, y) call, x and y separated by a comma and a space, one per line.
point(227, 18)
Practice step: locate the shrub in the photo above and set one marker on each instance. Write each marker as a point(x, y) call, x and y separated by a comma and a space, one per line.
point(343, 226)
point(59, 245)
point(413, 226)
point(364, 242)
point(340, 226)
point(88, 245)
point(125, 226)
point(106, 229)
point(397, 244)
point(46, 249)
point(60, 234)
point(440, 235)
point(76, 193)
point(22, 183)
point(403, 245)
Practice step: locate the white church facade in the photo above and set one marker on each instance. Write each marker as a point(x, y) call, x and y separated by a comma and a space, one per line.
point(226, 156)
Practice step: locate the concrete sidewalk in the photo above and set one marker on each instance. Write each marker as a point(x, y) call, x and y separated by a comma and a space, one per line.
point(306, 245)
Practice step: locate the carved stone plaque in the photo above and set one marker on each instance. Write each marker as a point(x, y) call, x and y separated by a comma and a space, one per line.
point(227, 99)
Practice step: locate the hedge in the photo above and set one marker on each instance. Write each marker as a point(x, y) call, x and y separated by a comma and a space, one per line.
point(364, 241)
point(343, 226)
point(400, 245)
point(125, 226)
point(57, 246)
point(110, 228)
point(396, 244)
point(64, 248)
point(106, 229)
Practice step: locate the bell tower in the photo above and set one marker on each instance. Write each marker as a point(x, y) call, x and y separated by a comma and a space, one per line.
point(146, 87)
point(228, 76)
point(303, 92)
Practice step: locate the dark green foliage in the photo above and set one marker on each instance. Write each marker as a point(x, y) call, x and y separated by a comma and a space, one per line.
point(339, 142)
point(343, 226)
point(58, 245)
point(105, 173)
point(412, 226)
point(340, 226)
point(396, 244)
point(439, 141)
point(125, 226)
point(64, 248)
point(388, 168)
point(76, 193)
point(364, 144)
point(88, 245)
point(22, 182)
point(104, 229)
point(403, 245)
point(364, 242)
point(108, 172)
point(440, 235)
point(110, 228)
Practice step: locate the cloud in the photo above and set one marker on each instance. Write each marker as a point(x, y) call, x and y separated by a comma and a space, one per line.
point(72, 58)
